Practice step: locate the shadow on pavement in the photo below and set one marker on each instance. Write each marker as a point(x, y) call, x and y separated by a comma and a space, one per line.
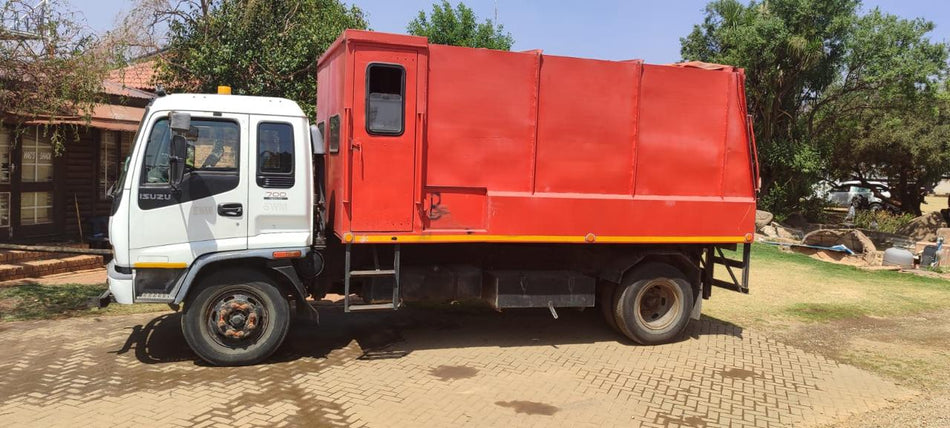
point(385, 335)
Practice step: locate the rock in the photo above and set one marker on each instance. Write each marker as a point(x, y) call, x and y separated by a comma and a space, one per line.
point(762, 218)
point(777, 232)
point(923, 228)
point(853, 239)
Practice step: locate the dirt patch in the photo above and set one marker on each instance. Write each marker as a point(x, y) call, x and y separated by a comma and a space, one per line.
point(529, 407)
point(689, 421)
point(831, 256)
point(910, 350)
point(739, 373)
point(447, 373)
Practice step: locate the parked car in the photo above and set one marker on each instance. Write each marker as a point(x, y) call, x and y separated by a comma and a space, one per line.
point(846, 193)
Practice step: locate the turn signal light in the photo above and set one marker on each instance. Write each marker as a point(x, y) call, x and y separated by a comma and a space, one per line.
point(287, 254)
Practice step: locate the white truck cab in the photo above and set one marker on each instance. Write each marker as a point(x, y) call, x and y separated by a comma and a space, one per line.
point(211, 178)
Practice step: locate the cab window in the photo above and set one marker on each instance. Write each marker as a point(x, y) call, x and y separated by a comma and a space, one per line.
point(275, 155)
point(211, 145)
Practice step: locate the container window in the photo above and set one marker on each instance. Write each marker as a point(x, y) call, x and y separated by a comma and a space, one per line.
point(334, 134)
point(385, 99)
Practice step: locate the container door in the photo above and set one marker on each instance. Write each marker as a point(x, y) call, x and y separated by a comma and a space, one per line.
point(383, 144)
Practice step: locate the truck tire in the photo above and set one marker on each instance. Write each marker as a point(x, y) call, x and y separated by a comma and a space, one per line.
point(605, 300)
point(652, 305)
point(236, 323)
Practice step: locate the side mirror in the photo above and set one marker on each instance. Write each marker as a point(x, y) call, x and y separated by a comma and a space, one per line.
point(176, 162)
point(180, 122)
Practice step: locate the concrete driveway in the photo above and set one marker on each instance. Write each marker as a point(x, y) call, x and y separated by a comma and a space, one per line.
point(424, 368)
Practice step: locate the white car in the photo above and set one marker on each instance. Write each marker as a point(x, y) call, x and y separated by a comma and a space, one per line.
point(845, 193)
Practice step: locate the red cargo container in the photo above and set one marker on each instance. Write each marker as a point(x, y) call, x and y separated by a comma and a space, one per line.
point(431, 143)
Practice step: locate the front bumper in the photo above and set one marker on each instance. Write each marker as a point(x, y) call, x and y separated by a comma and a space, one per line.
point(121, 285)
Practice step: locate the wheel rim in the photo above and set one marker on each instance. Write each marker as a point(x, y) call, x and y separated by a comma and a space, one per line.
point(236, 318)
point(658, 304)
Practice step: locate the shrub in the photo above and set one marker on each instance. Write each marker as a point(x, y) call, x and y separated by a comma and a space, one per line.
point(881, 220)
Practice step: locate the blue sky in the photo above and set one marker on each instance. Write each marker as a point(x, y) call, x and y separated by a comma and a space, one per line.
point(605, 29)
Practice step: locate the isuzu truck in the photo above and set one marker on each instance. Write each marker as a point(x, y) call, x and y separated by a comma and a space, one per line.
point(441, 173)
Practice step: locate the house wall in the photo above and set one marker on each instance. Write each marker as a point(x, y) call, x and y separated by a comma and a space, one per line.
point(76, 184)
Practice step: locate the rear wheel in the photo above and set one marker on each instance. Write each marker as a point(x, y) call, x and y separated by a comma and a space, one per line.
point(652, 305)
point(236, 323)
point(605, 299)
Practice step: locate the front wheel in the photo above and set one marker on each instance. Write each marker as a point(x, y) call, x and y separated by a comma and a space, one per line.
point(652, 305)
point(236, 323)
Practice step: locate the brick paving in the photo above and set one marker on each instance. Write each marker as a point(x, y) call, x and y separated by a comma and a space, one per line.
point(415, 368)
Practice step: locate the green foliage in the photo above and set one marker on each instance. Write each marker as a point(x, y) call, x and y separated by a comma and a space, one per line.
point(54, 75)
point(266, 48)
point(833, 94)
point(459, 27)
point(881, 220)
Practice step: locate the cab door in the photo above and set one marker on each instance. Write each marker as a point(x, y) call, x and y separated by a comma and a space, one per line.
point(383, 142)
point(207, 213)
point(279, 210)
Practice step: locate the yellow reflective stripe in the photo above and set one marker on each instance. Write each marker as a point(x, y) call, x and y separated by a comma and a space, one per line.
point(160, 265)
point(379, 239)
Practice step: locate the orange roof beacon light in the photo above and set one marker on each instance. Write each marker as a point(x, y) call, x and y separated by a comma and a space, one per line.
point(224, 90)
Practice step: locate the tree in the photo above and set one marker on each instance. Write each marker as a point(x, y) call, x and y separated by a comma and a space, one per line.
point(459, 27)
point(50, 69)
point(888, 114)
point(267, 48)
point(822, 81)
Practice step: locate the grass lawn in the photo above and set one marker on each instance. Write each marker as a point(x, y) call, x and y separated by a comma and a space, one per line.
point(35, 301)
point(789, 286)
point(892, 323)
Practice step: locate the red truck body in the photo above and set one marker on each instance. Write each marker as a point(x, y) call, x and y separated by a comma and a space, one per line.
point(517, 147)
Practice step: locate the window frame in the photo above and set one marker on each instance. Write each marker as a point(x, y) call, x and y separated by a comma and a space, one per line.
point(38, 142)
point(402, 91)
point(293, 148)
point(104, 159)
point(143, 172)
point(333, 146)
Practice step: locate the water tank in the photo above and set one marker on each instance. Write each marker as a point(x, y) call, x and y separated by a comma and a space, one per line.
point(898, 257)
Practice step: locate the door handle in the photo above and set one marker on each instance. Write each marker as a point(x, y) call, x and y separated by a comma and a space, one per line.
point(231, 210)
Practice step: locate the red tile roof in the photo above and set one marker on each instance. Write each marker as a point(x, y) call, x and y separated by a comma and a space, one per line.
point(138, 76)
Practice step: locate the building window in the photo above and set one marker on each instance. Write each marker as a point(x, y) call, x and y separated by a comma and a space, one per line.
point(36, 208)
point(108, 162)
point(37, 158)
point(5, 144)
point(385, 106)
point(5, 209)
